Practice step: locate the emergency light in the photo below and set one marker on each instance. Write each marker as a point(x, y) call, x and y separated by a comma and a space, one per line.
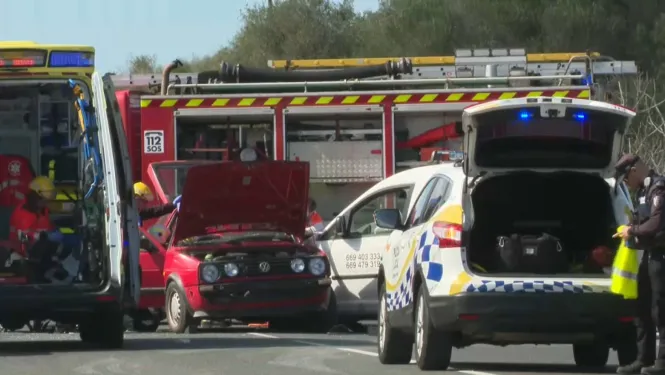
point(65, 59)
point(580, 116)
point(525, 115)
point(22, 58)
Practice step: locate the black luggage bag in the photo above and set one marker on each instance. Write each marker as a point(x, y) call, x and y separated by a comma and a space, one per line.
point(531, 254)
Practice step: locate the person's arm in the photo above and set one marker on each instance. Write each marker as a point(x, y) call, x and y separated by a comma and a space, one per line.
point(652, 225)
point(154, 212)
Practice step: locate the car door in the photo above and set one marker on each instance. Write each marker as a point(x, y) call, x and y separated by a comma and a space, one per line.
point(123, 220)
point(404, 246)
point(153, 252)
point(355, 252)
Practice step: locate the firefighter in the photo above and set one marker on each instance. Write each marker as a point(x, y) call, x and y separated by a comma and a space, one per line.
point(647, 232)
point(143, 193)
point(31, 218)
point(315, 222)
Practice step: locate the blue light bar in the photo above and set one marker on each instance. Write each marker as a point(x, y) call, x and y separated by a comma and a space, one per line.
point(525, 115)
point(62, 59)
point(580, 116)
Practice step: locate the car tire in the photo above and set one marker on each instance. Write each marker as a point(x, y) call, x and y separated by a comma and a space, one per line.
point(433, 348)
point(591, 355)
point(105, 329)
point(178, 317)
point(145, 321)
point(393, 346)
point(325, 320)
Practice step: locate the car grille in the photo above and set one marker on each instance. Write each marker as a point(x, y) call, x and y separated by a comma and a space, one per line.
point(254, 263)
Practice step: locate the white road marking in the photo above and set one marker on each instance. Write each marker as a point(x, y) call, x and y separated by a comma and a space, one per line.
point(264, 335)
point(360, 351)
point(471, 372)
point(349, 350)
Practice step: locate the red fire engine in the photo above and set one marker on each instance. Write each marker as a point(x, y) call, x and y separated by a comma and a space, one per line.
point(356, 121)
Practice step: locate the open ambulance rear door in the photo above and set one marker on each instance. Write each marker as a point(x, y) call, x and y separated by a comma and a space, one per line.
point(122, 233)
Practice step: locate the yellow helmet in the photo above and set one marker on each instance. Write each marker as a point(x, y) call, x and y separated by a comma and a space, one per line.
point(143, 191)
point(43, 186)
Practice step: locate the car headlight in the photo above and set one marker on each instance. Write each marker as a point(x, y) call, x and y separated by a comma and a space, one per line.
point(297, 265)
point(317, 266)
point(231, 269)
point(210, 273)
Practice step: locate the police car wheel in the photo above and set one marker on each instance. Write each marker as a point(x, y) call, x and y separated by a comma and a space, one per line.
point(433, 348)
point(178, 317)
point(394, 346)
point(591, 355)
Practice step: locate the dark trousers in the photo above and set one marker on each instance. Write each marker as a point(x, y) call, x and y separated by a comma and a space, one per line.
point(651, 308)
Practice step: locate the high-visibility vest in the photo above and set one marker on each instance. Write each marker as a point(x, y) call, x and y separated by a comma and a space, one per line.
point(624, 270)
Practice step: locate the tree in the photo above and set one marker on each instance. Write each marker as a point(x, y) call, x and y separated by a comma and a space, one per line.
point(144, 64)
point(301, 29)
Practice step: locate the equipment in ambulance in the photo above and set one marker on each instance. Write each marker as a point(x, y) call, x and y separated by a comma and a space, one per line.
point(530, 205)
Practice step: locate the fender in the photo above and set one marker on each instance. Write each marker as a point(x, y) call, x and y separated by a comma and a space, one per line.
point(174, 277)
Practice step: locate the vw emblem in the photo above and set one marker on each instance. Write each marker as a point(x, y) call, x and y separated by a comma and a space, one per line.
point(264, 267)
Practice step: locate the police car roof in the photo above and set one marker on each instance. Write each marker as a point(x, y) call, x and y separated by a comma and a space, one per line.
point(416, 177)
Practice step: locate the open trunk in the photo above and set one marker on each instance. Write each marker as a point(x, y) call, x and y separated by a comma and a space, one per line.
point(574, 207)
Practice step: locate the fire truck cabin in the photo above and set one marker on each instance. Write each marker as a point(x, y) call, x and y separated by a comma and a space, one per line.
point(356, 121)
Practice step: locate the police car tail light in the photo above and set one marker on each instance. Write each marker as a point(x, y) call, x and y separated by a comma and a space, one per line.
point(449, 235)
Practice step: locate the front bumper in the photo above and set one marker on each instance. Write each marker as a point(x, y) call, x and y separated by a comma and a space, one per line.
point(259, 299)
point(505, 318)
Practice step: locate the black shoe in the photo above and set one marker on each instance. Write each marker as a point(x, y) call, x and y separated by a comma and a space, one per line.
point(653, 370)
point(631, 369)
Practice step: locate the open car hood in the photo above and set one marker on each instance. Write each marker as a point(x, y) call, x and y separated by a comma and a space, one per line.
point(544, 133)
point(265, 195)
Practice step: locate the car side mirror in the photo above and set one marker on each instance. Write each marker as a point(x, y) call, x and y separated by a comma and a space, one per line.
point(388, 218)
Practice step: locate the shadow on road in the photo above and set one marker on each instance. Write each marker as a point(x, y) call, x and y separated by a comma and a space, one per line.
point(528, 368)
point(176, 342)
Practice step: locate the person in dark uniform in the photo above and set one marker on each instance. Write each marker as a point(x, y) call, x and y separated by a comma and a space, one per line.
point(648, 234)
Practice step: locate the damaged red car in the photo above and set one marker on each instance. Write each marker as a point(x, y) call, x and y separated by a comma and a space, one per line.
point(235, 249)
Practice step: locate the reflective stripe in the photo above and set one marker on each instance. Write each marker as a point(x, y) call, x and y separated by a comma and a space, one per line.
point(360, 98)
point(625, 274)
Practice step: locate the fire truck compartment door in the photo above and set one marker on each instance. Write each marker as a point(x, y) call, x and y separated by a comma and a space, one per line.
point(122, 219)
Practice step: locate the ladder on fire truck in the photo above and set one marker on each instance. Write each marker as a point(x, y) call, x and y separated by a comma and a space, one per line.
point(468, 67)
point(449, 82)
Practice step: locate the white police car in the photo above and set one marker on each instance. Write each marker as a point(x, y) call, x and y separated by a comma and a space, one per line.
point(532, 165)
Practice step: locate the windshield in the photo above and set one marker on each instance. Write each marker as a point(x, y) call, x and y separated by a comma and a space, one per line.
point(236, 237)
point(171, 177)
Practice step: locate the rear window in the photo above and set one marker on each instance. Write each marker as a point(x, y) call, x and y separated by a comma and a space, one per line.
point(517, 138)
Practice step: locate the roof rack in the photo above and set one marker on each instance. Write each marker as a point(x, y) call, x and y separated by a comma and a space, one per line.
point(479, 62)
point(469, 67)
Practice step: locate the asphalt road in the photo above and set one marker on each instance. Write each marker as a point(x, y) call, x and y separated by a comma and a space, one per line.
point(239, 352)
